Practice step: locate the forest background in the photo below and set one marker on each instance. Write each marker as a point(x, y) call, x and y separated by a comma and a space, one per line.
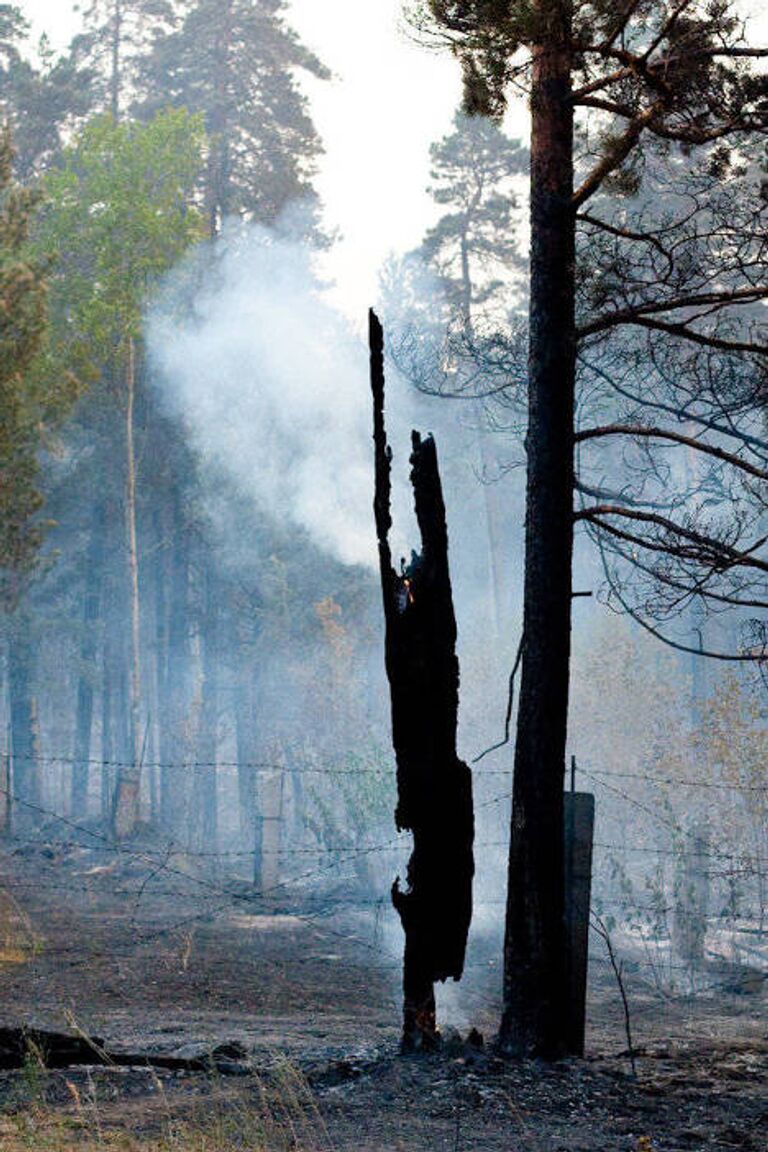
point(195, 591)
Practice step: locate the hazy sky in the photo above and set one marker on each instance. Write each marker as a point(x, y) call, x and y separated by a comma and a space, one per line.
point(388, 100)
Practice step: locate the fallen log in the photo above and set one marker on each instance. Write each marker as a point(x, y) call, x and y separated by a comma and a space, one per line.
point(434, 785)
point(56, 1050)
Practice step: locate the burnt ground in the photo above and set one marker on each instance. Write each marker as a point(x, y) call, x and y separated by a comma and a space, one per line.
point(155, 958)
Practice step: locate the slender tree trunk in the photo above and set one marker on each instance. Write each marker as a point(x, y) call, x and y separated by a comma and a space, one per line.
point(160, 573)
point(115, 80)
point(174, 792)
point(84, 720)
point(5, 792)
point(247, 780)
point(128, 790)
point(534, 1020)
point(499, 597)
point(25, 743)
point(218, 169)
point(466, 280)
point(206, 791)
point(107, 729)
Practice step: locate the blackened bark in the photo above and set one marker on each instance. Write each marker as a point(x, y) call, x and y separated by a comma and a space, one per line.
point(87, 674)
point(534, 1020)
point(434, 786)
point(60, 1050)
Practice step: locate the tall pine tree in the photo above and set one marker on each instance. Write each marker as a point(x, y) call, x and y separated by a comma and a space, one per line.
point(235, 62)
point(645, 76)
point(472, 170)
point(38, 98)
point(117, 35)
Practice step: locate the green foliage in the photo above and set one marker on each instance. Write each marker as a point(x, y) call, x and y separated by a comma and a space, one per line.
point(353, 812)
point(235, 63)
point(118, 216)
point(471, 171)
point(109, 49)
point(696, 84)
point(485, 35)
point(29, 402)
point(38, 98)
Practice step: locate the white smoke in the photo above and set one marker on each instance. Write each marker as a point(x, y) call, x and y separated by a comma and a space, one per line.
point(272, 386)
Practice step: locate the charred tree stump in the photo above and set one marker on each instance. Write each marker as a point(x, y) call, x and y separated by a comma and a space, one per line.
point(434, 786)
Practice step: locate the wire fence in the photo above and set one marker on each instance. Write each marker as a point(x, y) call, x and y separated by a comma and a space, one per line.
point(201, 887)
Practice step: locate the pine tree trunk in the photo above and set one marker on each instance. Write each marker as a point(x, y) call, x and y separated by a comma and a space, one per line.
point(115, 79)
point(174, 790)
point(218, 168)
point(128, 789)
point(160, 572)
point(107, 729)
point(206, 792)
point(534, 1019)
point(499, 596)
point(5, 792)
point(84, 718)
point(247, 780)
point(25, 747)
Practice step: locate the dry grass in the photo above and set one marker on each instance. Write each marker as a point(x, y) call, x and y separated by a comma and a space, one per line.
point(277, 1114)
point(18, 942)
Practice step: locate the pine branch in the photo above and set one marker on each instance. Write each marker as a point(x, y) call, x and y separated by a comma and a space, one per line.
point(677, 438)
point(722, 556)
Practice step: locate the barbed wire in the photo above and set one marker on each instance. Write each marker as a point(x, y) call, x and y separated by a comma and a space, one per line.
point(597, 773)
point(312, 769)
point(226, 899)
point(302, 767)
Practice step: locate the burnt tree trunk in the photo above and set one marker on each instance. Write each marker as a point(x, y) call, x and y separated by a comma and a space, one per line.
point(534, 1020)
point(434, 786)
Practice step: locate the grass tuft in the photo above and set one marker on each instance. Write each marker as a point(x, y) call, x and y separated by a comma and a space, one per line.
point(276, 1113)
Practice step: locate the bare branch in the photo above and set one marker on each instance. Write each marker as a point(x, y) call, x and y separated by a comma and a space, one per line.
point(627, 234)
point(616, 156)
point(756, 443)
point(748, 657)
point(724, 556)
point(699, 588)
point(681, 329)
point(675, 437)
point(601, 82)
point(721, 299)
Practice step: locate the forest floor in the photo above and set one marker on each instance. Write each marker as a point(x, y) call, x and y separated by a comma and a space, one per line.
point(169, 961)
